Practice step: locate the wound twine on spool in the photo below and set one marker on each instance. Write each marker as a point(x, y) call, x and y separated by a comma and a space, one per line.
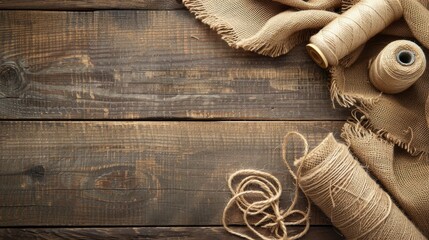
point(352, 29)
point(354, 202)
point(334, 181)
point(398, 66)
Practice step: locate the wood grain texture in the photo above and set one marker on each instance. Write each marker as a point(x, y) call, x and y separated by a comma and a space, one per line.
point(188, 233)
point(147, 65)
point(90, 4)
point(137, 173)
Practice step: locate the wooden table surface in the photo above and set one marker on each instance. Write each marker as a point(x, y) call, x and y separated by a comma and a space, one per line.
point(124, 119)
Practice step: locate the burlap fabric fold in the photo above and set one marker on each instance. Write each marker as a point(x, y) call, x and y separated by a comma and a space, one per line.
point(405, 177)
point(274, 27)
point(416, 14)
point(399, 118)
point(265, 27)
point(391, 132)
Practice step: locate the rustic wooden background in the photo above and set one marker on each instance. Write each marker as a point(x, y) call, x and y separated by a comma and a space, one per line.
point(123, 120)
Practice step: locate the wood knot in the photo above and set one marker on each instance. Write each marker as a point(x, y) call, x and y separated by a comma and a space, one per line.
point(37, 173)
point(121, 184)
point(12, 82)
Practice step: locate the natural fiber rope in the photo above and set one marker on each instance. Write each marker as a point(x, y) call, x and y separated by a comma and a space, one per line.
point(352, 29)
point(335, 182)
point(332, 190)
point(257, 194)
point(355, 203)
point(398, 66)
point(311, 4)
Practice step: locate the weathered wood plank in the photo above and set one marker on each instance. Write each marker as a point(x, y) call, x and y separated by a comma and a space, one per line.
point(189, 233)
point(147, 65)
point(90, 4)
point(142, 173)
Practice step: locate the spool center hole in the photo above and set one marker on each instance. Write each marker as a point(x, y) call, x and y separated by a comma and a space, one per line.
point(406, 57)
point(316, 57)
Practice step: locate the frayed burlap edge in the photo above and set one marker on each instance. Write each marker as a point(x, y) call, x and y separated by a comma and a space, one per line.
point(221, 27)
point(360, 113)
point(277, 49)
point(229, 35)
point(344, 100)
point(352, 130)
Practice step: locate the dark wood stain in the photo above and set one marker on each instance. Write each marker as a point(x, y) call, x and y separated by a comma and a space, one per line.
point(37, 173)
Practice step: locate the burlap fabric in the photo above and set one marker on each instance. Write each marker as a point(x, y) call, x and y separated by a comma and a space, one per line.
point(265, 27)
point(416, 14)
point(427, 111)
point(404, 176)
point(393, 138)
point(400, 118)
point(274, 27)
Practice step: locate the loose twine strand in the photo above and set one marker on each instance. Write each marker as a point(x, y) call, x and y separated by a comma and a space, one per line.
point(389, 75)
point(267, 190)
point(334, 181)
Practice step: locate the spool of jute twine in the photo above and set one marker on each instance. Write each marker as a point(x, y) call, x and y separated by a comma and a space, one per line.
point(398, 66)
point(354, 202)
point(334, 181)
point(352, 29)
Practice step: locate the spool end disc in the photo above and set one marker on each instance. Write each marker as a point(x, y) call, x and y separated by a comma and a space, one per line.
point(317, 55)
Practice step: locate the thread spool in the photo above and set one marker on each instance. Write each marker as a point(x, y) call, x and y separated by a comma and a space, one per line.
point(343, 190)
point(398, 66)
point(352, 29)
